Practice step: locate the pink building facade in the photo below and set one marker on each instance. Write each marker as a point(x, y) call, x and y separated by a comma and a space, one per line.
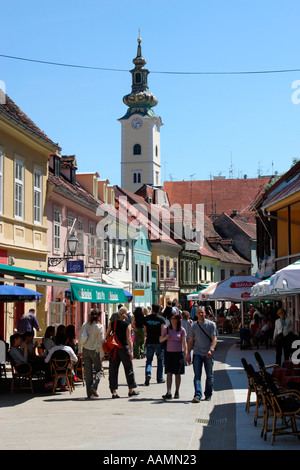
point(71, 209)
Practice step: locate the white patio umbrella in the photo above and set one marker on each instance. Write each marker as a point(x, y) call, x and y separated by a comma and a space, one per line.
point(262, 290)
point(236, 289)
point(286, 281)
point(195, 295)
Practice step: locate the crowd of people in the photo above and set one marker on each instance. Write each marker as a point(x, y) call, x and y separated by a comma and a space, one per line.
point(175, 336)
point(167, 333)
point(170, 335)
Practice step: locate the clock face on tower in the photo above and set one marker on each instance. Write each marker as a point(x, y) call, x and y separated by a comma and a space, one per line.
point(136, 123)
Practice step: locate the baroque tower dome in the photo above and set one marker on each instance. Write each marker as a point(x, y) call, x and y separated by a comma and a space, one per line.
point(139, 101)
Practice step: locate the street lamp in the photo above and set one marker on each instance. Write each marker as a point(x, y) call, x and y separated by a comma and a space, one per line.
point(72, 244)
point(120, 258)
point(172, 273)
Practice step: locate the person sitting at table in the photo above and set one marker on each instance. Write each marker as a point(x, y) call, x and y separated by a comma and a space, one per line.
point(61, 346)
point(18, 355)
point(71, 337)
point(28, 338)
point(48, 340)
point(60, 330)
point(255, 330)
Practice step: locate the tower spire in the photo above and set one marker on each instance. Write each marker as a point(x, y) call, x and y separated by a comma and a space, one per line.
point(140, 100)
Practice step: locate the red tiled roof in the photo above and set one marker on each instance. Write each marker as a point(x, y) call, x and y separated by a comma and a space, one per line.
point(248, 228)
point(148, 214)
point(221, 253)
point(218, 195)
point(156, 232)
point(11, 111)
point(74, 190)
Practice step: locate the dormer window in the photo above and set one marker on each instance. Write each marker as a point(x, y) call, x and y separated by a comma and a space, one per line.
point(56, 166)
point(137, 149)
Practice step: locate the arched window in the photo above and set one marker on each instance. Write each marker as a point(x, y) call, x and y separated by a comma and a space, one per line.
point(137, 149)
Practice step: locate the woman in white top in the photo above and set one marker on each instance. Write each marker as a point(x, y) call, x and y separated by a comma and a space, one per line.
point(91, 352)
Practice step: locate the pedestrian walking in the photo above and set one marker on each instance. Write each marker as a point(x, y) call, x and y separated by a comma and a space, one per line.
point(186, 322)
point(28, 322)
point(91, 352)
point(124, 355)
point(139, 333)
point(153, 327)
point(203, 341)
point(193, 312)
point(283, 336)
point(176, 350)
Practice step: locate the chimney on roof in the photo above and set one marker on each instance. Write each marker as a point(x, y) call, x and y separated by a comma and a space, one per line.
point(245, 177)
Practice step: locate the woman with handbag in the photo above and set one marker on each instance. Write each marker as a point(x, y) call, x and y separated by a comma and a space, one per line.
point(124, 354)
point(176, 350)
point(90, 343)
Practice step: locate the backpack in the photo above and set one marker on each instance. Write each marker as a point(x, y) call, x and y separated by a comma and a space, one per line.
point(112, 343)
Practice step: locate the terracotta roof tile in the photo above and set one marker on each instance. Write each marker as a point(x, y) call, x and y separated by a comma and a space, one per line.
point(11, 111)
point(218, 196)
point(74, 190)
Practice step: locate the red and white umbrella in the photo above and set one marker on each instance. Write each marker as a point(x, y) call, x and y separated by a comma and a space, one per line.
point(236, 288)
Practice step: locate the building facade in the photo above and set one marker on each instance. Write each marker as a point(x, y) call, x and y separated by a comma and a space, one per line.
point(24, 154)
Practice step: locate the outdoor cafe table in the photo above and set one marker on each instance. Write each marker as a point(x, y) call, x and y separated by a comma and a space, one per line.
point(289, 372)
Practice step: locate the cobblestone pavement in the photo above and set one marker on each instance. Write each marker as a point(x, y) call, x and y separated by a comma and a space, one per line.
point(66, 421)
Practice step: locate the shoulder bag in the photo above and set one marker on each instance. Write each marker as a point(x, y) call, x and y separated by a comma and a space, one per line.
point(206, 333)
point(112, 343)
point(84, 336)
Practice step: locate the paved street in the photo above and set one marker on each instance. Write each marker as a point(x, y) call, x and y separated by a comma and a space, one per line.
point(70, 422)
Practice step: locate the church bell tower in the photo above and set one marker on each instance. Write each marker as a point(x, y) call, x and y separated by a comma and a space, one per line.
point(140, 134)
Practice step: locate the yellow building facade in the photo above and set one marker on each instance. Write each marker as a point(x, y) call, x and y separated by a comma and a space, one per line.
point(24, 153)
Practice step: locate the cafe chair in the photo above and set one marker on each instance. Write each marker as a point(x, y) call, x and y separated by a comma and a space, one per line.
point(62, 368)
point(79, 370)
point(262, 390)
point(261, 364)
point(286, 408)
point(21, 376)
point(253, 387)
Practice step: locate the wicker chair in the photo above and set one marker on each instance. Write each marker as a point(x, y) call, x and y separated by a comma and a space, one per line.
point(21, 376)
point(62, 368)
point(253, 387)
point(286, 407)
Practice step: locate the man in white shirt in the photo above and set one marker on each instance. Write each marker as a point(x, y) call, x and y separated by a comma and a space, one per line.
point(283, 336)
point(62, 347)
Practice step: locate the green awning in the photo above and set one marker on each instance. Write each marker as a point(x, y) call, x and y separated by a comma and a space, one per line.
point(82, 290)
point(102, 293)
point(15, 271)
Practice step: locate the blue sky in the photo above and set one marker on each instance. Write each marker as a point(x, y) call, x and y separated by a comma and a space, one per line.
point(214, 125)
